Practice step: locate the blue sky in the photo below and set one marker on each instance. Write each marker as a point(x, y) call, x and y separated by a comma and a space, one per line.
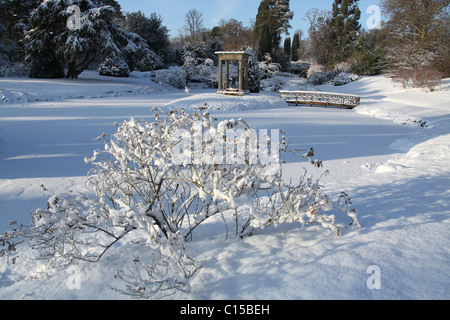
point(174, 11)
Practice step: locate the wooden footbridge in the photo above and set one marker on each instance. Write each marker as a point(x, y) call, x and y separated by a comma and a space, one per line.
point(321, 98)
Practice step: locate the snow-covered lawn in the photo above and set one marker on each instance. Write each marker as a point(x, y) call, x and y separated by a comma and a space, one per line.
point(390, 155)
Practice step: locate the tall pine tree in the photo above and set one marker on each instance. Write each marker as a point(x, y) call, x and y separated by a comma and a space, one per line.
point(265, 42)
point(342, 30)
point(271, 22)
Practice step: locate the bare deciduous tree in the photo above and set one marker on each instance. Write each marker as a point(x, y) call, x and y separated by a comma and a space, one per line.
point(419, 32)
point(194, 25)
point(317, 34)
point(419, 20)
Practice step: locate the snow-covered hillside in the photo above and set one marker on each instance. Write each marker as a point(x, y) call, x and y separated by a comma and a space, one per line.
point(390, 155)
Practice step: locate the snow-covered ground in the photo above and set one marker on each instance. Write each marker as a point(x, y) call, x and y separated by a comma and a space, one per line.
point(391, 155)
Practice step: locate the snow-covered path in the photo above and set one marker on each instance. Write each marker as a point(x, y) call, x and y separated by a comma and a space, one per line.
point(396, 175)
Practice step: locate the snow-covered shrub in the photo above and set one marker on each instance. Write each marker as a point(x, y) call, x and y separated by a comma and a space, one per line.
point(268, 68)
point(156, 182)
point(114, 67)
point(319, 77)
point(343, 67)
point(189, 63)
point(273, 84)
point(300, 68)
point(404, 77)
point(200, 70)
point(254, 72)
point(208, 62)
point(149, 62)
point(199, 52)
point(9, 70)
point(315, 68)
point(205, 73)
point(343, 78)
point(179, 77)
point(174, 76)
point(151, 276)
point(427, 78)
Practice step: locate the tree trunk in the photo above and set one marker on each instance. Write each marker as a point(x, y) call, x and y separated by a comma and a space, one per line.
point(76, 67)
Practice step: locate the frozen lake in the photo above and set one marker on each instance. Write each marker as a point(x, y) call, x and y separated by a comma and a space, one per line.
point(51, 139)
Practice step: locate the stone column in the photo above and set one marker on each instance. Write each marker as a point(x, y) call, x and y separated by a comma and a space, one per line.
point(227, 75)
point(246, 75)
point(241, 78)
point(220, 75)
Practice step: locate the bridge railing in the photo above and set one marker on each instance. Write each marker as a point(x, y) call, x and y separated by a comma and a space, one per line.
point(321, 98)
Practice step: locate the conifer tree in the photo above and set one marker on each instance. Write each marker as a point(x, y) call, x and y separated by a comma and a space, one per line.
point(265, 42)
point(295, 47)
point(52, 45)
point(150, 29)
point(271, 22)
point(14, 22)
point(342, 30)
point(287, 47)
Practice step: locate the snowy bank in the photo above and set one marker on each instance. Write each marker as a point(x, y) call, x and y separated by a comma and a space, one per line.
point(214, 101)
point(89, 85)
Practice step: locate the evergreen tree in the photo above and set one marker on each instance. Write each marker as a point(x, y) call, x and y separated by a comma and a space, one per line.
point(14, 22)
point(295, 47)
point(342, 30)
point(287, 48)
point(265, 41)
point(44, 55)
point(150, 29)
point(52, 45)
point(368, 57)
point(272, 21)
point(254, 73)
point(15, 15)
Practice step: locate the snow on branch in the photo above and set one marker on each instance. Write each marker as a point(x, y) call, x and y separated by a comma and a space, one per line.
point(156, 182)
